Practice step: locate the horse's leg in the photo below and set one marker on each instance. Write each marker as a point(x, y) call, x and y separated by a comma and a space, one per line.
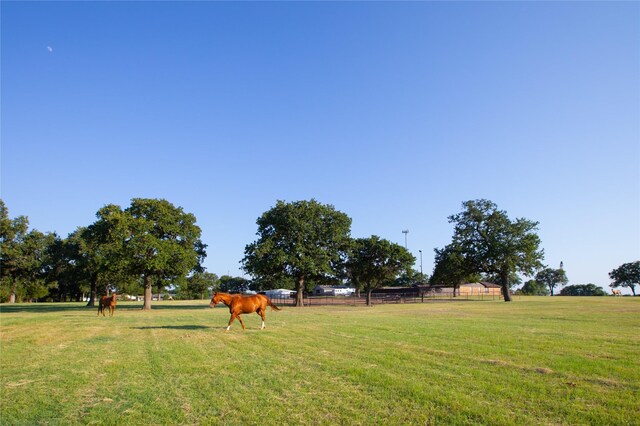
point(233, 316)
point(261, 312)
point(240, 319)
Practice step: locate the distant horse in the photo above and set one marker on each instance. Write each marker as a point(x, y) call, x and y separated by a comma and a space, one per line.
point(616, 292)
point(107, 302)
point(239, 304)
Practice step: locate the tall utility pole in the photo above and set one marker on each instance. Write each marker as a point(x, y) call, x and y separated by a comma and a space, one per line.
point(421, 276)
point(405, 232)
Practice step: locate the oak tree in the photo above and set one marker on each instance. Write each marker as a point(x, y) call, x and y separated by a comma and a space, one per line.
point(552, 278)
point(300, 240)
point(163, 242)
point(491, 243)
point(626, 275)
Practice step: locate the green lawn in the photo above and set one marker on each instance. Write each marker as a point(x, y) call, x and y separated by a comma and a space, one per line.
point(532, 361)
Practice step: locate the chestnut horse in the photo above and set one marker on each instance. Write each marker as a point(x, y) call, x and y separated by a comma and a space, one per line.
point(239, 304)
point(107, 302)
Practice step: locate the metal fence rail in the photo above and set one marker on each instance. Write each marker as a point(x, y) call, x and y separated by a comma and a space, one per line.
point(381, 299)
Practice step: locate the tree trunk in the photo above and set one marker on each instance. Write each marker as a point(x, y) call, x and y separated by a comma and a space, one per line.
point(505, 287)
point(94, 287)
point(551, 290)
point(147, 293)
point(369, 291)
point(300, 291)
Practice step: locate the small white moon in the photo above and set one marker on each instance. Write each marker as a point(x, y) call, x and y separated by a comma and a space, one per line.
point(50, 49)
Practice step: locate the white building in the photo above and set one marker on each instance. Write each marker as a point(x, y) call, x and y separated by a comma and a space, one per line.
point(278, 293)
point(333, 290)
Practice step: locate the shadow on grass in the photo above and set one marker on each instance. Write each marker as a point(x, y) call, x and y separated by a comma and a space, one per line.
point(43, 308)
point(172, 327)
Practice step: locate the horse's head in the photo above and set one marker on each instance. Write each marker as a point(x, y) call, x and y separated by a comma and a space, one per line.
point(215, 299)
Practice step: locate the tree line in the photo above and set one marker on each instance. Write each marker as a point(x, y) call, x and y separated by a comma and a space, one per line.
point(153, 244)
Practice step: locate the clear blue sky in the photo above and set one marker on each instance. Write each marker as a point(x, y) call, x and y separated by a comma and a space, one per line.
point(395, 113)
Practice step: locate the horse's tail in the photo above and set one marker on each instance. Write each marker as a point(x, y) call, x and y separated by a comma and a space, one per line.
point(270, 303)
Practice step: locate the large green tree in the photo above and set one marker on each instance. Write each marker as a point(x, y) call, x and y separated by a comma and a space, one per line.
point(299, 240)
point(373, 261)
point(100, 254)
point(626, 275)
point(492, 243)
point(552, 278)
point(163, 243)
point(24, 259)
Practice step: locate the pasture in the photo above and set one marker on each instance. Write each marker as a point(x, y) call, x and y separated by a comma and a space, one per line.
point(537, 360)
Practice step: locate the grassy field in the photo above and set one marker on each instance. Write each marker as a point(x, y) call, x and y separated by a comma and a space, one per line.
point(533, 361)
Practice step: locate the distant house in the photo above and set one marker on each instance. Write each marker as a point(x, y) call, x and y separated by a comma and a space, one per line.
point(466, 289)
point(333, 290)
point(478, 289)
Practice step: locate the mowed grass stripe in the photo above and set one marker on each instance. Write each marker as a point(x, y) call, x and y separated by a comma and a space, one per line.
point(533, 361)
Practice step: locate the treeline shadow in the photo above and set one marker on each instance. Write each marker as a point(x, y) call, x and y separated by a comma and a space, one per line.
point(43, 308)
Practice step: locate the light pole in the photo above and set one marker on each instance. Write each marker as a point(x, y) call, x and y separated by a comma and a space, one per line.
point(405, 232)
point(421, 275)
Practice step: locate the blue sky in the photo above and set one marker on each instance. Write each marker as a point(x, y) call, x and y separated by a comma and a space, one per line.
point(395, 113)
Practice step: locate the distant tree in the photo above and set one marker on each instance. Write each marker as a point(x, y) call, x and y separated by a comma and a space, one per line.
point(229, 284)
point(12, 234)
point(492, 243)
point(69, 286)
point(451, 268)
point(198, 285)
point(626, 275)
point(534, 288)
point(373, 261)
point(552, 278)
point(24, 259)
point(100, 256)
point(582, 290)
point(409, 277)
point(164, 243)
point(302, 240)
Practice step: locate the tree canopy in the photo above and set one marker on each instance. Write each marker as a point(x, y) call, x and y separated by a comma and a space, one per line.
point(489, 242)
point(552, 278)
point(163, 242)
point(451, 268)
point(198, 285)
point(299, 240)
point(534, 288)
point(373, 261)
point(582, 290)
point(24, 258)
point(626, 275)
